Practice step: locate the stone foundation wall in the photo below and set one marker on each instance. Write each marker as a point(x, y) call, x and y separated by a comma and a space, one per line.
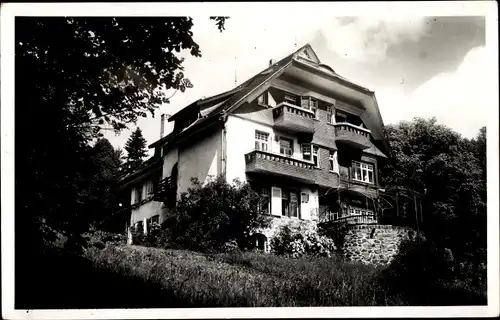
point(375, 244)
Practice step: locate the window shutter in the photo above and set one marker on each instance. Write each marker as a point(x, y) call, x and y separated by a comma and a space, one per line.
point(257, 144)
point(276, 201)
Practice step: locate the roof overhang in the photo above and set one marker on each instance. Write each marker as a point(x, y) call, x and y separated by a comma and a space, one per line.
point(141, 174)
point(337, 86)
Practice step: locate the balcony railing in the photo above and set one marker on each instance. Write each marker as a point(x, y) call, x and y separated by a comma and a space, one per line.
point(352, 135)
point(289, 117)
point(354, 219)
point(277, 164)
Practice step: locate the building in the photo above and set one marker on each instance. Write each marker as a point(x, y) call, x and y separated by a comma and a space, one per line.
point(309, 140)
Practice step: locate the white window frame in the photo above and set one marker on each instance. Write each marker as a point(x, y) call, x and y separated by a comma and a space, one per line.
point(332, 161)
point(304, 197)
point(306, 151)
point(286, 148)
point(315, 153)
point(363, 167)
point(261, 140)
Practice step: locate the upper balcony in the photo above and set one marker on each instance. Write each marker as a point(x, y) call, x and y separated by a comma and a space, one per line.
point(287, 167)
point(352, 135)
point(280, 165)
point(292, 118)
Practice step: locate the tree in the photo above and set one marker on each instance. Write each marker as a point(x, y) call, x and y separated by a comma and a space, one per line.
point(73, 75)
point(136, 150)
point(433, 157)
point(102, 191)
point(211, 214)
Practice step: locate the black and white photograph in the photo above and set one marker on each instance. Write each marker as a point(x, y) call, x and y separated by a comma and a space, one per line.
point(267, 159)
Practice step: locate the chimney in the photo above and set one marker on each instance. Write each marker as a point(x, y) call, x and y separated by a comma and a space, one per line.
point(271, 62)
point(164, 117)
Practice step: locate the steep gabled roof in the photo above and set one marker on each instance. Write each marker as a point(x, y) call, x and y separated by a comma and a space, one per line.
point(226, 102)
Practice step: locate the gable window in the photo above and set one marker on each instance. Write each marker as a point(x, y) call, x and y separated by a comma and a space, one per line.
point(263, 99)
point(306, 152)
point(286, 147)
point(315, 156)
point(362, 172)
point(261, 140)
point(332, 159)
point(330, 114)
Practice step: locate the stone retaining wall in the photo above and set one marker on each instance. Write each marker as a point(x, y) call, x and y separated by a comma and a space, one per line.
point(375, 244)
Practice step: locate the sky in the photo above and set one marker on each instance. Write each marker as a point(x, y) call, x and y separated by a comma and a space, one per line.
point(417, 66)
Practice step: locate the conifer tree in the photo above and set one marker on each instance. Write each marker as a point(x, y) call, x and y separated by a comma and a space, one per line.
point(136, 150)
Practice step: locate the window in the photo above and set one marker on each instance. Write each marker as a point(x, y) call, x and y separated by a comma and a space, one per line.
point(316, 156)
point(306, 152)
point(261, 140)
point(285, 203)
point(294, 205)
point(138, 193)
point(148, 188)
point(329, 115)
point(286, 147)
point(332, 159)
point(291, 99)
point(265, 203)
point(155, 219)
point(309, 103)
point(362, 172)
point(263, 99)
point(304, 197)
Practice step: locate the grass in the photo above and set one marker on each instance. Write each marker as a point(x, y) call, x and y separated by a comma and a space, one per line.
point(246, 279)
point(119, 276)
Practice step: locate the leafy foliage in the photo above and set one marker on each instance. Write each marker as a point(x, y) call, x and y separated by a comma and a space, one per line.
point(83, 74)
point(136, 150)
point(211, 214)
point(299, 240)
point(452, 170)
point(220, 21)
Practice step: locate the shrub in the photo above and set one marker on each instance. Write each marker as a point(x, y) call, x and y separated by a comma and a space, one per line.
point(429, 274)
point(99, 238)
point(300, 240)
point(212, 214)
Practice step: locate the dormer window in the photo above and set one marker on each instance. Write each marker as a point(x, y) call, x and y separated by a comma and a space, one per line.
point(263, 99)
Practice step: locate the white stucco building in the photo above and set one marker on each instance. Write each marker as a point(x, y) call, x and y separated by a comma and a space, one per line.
point(306, 138)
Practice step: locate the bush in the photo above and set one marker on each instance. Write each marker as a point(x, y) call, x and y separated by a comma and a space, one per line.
point(212, 214)
point(429, 274)
point(99, 239)
point(300, 240)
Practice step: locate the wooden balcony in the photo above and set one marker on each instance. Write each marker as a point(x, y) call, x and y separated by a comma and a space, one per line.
point(352, 135)
point(280, 165)
point(292, 118)
point(332, 220)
